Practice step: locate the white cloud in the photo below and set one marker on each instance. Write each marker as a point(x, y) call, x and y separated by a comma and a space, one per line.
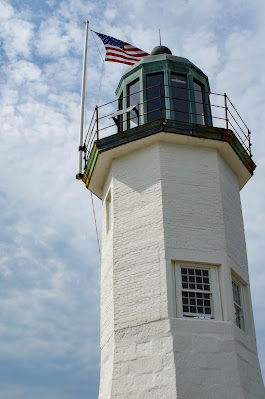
point(16, 33)
point(110, 13)
point(202, 49)
point(6, 11)
point(22, 71)
point(57, 37)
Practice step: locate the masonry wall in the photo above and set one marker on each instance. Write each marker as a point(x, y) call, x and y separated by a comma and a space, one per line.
point(245, 344)
point(142, 344)
point(172, 203)
point(107, 303)
point(138, 239)
point(203, 224)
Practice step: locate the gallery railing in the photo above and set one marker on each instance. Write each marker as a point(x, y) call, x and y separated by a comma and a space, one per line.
point(218, 111)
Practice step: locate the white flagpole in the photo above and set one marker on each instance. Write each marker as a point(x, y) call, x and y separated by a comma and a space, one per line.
point(83, 92)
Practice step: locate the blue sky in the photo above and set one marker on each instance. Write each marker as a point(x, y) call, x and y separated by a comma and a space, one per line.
point(49, 270)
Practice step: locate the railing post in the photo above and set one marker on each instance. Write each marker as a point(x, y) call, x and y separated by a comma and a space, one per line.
point(226, 113)
point(249, 144)
point(97, 121)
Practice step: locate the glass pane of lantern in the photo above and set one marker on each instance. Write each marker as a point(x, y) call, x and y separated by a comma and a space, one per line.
point(155, 94)
point(180, 97)
point(133, 92)
point(199, 106)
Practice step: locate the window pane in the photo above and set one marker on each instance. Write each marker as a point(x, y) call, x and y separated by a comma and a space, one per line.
point(192, 303)
point(195, 302)
point(180, 97)
point(155, 99)
point(191, 278)
point(236, 293)
point(239, 315)
point(133, 93)
point(184, 271)
point(199, 107)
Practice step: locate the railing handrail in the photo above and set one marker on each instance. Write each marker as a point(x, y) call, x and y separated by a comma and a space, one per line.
point(237, 112)
point(94, 131)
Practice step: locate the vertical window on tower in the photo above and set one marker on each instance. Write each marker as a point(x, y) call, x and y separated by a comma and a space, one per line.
point(199, 105)
point(108, 212)
point(133, 98)
point(238, 305)
point(155, 94)
point(196, 292)
point(180, 97)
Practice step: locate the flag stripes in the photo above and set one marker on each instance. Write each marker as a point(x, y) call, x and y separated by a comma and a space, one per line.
point(118, 51)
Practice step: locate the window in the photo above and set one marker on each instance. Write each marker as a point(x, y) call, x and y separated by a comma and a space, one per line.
point(133, 98)
point(199, 105)
point(197, 293)
point(238, 305)
point(108, 212)
point(180, 97)
point(155, 94)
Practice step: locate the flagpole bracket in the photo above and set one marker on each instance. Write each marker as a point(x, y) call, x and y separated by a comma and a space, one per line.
point(79, 176)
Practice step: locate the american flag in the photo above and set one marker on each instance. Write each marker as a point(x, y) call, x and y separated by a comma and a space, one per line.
point(118, 51)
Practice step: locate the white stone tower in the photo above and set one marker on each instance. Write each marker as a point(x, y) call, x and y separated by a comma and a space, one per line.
point(176, 312)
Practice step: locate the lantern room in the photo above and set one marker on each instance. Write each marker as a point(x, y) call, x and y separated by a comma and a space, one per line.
point(163, 86)
point(164, 97)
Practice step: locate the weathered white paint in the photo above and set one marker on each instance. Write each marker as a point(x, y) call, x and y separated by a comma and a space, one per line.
point(172, 202)
point(98, 178)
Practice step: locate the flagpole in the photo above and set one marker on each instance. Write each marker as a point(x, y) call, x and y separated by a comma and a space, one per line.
point(83, 92)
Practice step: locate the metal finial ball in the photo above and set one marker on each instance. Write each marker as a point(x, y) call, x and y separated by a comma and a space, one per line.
point(160, 50)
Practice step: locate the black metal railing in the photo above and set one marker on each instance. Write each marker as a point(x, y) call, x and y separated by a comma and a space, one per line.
point(219, 111)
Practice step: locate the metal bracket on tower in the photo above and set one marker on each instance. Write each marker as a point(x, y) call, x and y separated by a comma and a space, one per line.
point(79, 176)
point(81, 148)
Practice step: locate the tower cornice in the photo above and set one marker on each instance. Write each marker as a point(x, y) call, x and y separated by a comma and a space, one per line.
point(114, 146)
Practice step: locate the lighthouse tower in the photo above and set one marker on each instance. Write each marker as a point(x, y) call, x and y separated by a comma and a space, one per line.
point(176, 312)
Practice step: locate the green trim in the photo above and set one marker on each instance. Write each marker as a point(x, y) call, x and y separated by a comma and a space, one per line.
point(89, 169)
point(157, 63)
point(174, 127)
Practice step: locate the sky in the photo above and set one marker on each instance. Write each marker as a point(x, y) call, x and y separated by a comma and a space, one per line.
point(50, 269)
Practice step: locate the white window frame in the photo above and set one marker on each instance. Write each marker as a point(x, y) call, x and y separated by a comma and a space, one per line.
point(216, 308)
point(241, 307)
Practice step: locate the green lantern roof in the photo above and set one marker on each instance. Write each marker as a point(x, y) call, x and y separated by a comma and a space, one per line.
point(163, 61)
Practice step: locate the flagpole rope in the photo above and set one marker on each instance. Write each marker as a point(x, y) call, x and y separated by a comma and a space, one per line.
point(96, 44)
point(101, 76)
point(95, 224)
point(103, 63)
